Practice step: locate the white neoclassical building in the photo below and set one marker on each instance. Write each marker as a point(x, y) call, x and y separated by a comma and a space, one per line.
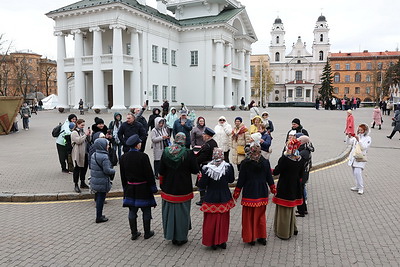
point(297, 74)
point(127, 52)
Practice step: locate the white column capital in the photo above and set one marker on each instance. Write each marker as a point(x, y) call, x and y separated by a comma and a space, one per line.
point(230, 45)
point(219, 41)
point(241, 51)
point(133, 30)
point(117, 26)
point(96, 29)
point(76, 31)
point(60, 33)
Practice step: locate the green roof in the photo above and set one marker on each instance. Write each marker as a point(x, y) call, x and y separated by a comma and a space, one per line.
point(224, 16)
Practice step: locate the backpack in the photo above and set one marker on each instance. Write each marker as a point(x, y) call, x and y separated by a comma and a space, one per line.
point(57, 130)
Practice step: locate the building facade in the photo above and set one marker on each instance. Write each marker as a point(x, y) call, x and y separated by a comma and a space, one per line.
point(127, 52)
point(360, 74)
point(23, 73)
point(297, 74)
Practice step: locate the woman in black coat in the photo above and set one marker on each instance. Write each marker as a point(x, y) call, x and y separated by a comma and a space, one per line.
point(217, 201)
point(139, 185)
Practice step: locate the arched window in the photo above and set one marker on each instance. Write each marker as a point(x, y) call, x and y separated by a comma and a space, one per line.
point(321, 38)
point(357, 77)
point(321, 55)
point(336, 78)
point(277, 56)
point(277, 39)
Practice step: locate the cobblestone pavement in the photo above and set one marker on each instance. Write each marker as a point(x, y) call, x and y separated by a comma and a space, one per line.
point(342, 228)
point(29, 162)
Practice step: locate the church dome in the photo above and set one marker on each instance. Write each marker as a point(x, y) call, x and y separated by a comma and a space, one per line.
point(278, 21)
point(321, 18)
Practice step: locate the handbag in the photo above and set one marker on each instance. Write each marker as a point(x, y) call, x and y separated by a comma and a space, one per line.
point(358, 154)
point(240, 150)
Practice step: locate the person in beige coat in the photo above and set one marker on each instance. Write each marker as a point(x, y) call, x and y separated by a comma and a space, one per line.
point(240, 137)
point(79, 140)
point(223, 133)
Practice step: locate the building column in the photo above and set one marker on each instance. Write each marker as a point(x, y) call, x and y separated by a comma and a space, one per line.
point(135, 74)
point(62, 83)
point(78, 73)
point(98, 77)
point(242, 77)
point(247, 75)
point(219, 75)
point(228, 85)
point(118, 70)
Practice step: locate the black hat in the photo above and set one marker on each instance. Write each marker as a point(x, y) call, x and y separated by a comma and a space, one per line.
point(239, 119)
point(71, 116)
point(209, 132)
point(133, 140)
point(98, 120)
point(296, 120)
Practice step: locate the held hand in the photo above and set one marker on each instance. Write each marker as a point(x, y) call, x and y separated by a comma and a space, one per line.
point(273, 189)
point(87, 132)
point(236, 193)
point(199, 175)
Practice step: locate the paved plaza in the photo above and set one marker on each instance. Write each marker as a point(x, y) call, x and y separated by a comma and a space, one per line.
point(342, 228)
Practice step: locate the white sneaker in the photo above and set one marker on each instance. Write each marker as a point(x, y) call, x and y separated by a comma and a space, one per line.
point(354, 189)
point(360, 191)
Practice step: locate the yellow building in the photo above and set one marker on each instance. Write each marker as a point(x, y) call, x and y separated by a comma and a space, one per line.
point(360, 75)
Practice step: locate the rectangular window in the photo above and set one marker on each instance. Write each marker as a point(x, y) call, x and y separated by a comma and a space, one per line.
point(110, 48)
point(194, 58)
point(357, 90)
point(290, 93)
point(154, 53)
point(369, 66)
point(379, 76)
point(173, 93)
point(368, 78)
point(346, 90)
point(337, 66)
point(277, 78)
point(347, 78)
point(358, 66)
point(173, 57)
point(299, 75)
point(155, 92)
point(336, 90)
point(368, 90)
point(252, 70)
point(380, 65)
point(299, 92)
point(308, 93)
point(128, 49)
point(348, 66)
point(164, 55)
point(165, 92)
point(336, 78)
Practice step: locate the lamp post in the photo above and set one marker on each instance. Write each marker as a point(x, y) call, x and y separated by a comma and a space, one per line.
point(261, 79)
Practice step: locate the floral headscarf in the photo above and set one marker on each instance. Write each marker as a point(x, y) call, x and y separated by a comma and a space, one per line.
point(174, 152)
point(217, 167)
point(293, 146)
point(254, 152)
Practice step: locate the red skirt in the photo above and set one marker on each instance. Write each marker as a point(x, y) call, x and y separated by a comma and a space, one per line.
point(215, 228)
point(254, 223)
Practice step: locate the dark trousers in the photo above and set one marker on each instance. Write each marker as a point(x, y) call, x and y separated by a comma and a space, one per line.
point(302, 209)
point(226, 156)
point(62, 156)
point(393, 132)
point(145, 210)
point(25, 123)
point(100, 197)
point(156, 167)
point(143, 147)
point(80, 172)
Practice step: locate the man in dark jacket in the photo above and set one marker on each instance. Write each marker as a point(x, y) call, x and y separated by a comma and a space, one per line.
point(296, 126)
point(204, 155)
point(183, 125)
point(129, 128)
point(142, 120)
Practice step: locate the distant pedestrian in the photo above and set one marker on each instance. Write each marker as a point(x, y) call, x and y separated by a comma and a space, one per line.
point(360, 144)
point(138, 112)
point(129, 128)
point(101, 174)
point(254, 112)
point(255, 124)
point(215, 177)
point(223, 133)
point(40, 105)
point(254, 176)
point(139, 186)
point(165, 108)
point(377, 117)
point(389, 107)
point(178, 163)
point(183, 125)
point(79, 138)
point(114, 128)
point(61, 142)
point(196, 135)
point(349, 130)
point(269, 126)
point(265, 142)
point(395, 123)
point(80, 107)
point(160, 140)
point(68, 146)
point(297, 127)
point(289, 194)
point(170, 119)
point(317, 103)
point(242, 102)
point(152, 117)
point(25, 115)
point(384, 107)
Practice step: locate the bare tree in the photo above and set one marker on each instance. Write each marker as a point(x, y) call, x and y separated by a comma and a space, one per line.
point(23, 77)
point(263, 81)
point(5, 68)
point(47, 73)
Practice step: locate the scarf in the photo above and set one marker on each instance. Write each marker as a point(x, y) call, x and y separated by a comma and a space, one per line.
point(254, 152)
point(174, 154)
point(241, 130)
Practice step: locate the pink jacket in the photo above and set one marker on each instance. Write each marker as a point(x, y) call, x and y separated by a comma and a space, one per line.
point(377, 116)
point(349, 125)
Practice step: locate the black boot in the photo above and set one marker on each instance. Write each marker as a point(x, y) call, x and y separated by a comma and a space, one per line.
point(77, 188)
point(147, 232)
point(202, 194)
point(134, 231)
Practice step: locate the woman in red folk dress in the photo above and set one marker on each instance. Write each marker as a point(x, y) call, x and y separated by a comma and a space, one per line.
point(218, 201)
point(289, 190)
point(254, 175)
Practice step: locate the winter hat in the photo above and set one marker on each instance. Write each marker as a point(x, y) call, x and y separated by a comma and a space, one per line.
point(304, 139)
point(298, 135)
point(71, 125)
point(296, 120)
point(183, 112)
point(71, 116)
point(239, 119)
point(98, 121)
point(209, 132)
point(256, 137)
point(292, 132)
point(133, 140)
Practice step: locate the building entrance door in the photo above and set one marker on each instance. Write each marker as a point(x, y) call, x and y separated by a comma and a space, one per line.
point(110, 95)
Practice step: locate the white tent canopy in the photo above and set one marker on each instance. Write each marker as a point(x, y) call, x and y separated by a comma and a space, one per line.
point(50, 102)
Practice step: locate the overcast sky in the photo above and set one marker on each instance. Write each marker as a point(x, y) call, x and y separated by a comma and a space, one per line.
point(355, 25)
